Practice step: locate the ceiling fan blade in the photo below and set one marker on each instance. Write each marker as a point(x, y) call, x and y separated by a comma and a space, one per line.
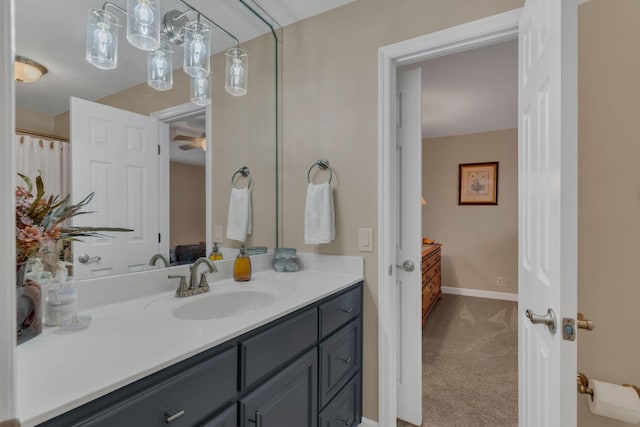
point(186, 138)
point(191, 146)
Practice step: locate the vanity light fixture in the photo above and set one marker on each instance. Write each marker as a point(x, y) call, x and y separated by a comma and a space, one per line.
point(200, 91)
point(236, 74)
point(147, 31)
point(160, 67)
point(26, 70)
point(197, 49)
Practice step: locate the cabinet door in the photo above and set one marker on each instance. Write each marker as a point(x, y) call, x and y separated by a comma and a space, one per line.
point(289, 399)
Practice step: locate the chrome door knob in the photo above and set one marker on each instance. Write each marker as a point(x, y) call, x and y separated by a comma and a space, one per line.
point(86, 259)
point(548, 319)
point(407, 266)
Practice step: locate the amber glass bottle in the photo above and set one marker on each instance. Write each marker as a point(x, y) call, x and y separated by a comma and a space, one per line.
point(242, 266)
point(215, 254)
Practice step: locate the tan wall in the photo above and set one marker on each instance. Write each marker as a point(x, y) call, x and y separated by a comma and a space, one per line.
point(609, 195)
point(330, 109)
point(243, 131)
point(34, 121)
point(480, 243)
point(187, 200)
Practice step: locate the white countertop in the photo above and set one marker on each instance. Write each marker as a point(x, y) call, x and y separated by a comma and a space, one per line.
point(128, 340)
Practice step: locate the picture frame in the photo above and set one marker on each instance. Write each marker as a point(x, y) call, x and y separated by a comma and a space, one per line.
point(478, 183)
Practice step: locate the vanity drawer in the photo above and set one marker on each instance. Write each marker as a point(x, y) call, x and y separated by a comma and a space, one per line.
point(228, 418)
point(345, 410)
point(271, 349)
point(340, 357)
point(198, 391)
point(339, 311)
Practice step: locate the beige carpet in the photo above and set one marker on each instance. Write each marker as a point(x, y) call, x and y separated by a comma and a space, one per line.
point(470, 363)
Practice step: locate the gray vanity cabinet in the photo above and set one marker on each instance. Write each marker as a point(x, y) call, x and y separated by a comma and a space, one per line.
point(287, 399)
point(302, 370)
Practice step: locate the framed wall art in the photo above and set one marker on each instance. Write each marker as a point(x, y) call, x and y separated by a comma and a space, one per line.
point(478, 183)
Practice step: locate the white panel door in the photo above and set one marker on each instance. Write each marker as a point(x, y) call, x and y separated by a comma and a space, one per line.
point(547, 146)
point(408, 245)
point(114, 153)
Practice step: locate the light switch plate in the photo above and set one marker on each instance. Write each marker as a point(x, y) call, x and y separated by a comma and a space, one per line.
point(217, 234)
point(365, 239)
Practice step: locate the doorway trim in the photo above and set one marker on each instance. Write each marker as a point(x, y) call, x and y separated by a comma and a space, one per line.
point(472, 35)
point(171, 114)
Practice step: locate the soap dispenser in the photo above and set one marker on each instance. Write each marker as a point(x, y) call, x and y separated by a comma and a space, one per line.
point(62, 298)
point(242, 266)
point(215, 254)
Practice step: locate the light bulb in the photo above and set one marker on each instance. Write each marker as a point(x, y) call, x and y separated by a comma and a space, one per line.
point(160, 66)
point(237, 72)
point(102, 40)
point(144, 17)
point(198, 48)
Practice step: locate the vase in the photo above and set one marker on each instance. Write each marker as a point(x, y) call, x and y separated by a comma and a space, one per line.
point(28, 305)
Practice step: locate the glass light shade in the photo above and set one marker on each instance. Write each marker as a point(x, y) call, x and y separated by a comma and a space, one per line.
point(200, 91)
point(197, 43)
point(236, 75)
point(26, 70)
point(143, 24)
point(160, 67)
point(102, 39)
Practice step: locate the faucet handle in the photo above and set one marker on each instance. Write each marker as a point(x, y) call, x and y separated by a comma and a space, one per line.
point(203, 286)
point(183, 288)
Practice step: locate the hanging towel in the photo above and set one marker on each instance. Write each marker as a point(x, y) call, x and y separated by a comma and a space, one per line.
point(319, 217)
point(239, 219)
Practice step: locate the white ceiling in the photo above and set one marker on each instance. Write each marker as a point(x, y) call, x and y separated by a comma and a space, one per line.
point(470, 92)
point(53, 33)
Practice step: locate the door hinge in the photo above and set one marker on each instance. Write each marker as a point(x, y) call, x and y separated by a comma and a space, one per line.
point(158, 149)
point(159, 238)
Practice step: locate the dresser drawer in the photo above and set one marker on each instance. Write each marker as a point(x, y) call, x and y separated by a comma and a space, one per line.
point(339, 311)
point(199, 392)
point(271, 349)
point(345, 410)
point(431, 260)
point(340, 357)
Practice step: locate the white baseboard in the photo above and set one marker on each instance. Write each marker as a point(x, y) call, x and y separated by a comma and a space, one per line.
point(479, 293)
point(368, 423)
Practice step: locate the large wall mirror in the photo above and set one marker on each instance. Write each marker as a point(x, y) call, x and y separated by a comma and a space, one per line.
point(201, 147)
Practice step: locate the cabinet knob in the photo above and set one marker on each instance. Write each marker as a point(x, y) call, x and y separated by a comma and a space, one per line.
point(170, 418)
point(346, 361)
point(346, 310)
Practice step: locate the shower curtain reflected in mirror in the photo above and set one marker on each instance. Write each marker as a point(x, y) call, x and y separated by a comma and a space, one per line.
point(49, 158)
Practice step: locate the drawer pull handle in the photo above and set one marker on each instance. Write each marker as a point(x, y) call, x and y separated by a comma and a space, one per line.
point(171, 418)
point(346, 361)
point(346, 422)
point(346, 311)
point(258, 420)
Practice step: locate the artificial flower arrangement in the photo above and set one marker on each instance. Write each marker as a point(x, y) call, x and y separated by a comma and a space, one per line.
point(39, 225)
point(39, 219)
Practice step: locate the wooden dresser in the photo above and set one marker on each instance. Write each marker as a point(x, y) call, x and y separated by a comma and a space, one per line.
point(431, 278)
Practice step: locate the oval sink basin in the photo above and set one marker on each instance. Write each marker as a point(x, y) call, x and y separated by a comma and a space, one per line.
point(218, 306)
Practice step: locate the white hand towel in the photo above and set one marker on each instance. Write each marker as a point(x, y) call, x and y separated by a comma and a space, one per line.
point(239, 219)
point(319, 217)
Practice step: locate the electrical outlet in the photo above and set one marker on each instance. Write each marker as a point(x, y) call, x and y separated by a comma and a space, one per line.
point(500, 281)
point(508, 283)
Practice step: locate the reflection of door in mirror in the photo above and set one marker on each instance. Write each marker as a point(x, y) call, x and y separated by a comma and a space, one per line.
point(187, 188)
point(115, 155)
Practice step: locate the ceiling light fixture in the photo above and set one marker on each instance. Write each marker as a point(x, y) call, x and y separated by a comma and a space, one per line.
point(27, 70)
point(147, 31)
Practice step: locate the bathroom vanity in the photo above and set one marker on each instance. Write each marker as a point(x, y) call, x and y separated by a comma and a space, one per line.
point(296, 362)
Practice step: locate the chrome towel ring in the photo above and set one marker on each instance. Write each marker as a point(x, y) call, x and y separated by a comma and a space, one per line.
point(244, 171)
point(322, 164)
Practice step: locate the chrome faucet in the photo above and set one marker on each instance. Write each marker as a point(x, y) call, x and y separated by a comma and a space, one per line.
point(203, 286)
point(156, 257)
